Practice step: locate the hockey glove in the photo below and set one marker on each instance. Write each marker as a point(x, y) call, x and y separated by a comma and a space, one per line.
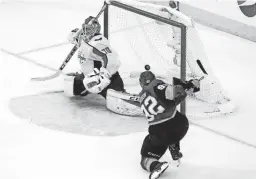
point(193, 84)
point(105, 72)
point(73, 36)
point(95, 82)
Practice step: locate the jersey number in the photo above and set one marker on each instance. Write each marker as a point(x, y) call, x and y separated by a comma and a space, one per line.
point(151, 108)
point(106, 50)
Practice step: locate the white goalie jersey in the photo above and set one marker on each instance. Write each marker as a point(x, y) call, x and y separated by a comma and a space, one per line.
point(98, 50)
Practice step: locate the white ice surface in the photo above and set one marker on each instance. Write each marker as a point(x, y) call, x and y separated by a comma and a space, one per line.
point(28, 151)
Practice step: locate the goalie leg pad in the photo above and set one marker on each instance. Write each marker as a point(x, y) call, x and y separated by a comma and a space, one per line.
point(68, 85)
point(123, 103)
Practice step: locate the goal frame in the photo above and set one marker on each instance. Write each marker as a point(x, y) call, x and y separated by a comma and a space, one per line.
point(182, 27)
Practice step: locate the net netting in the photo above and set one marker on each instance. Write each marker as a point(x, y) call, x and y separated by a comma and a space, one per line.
point(140, 40)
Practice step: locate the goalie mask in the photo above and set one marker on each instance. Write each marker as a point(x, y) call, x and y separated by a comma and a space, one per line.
point(146, 77)
point(90, 27)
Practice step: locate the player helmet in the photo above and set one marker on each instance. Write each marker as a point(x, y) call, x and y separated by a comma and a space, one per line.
point(90, 27)
point(173, 4)
point(146, 77)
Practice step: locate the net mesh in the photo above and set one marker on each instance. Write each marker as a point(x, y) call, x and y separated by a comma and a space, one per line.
point(140, 40)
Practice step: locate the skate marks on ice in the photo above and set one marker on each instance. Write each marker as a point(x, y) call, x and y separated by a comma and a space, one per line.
point(87, 115)
point(191, 170)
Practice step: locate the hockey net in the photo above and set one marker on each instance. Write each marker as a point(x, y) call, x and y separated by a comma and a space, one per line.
point(140, 40)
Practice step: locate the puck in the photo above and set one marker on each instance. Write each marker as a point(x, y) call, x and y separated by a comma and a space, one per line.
point(147, 67)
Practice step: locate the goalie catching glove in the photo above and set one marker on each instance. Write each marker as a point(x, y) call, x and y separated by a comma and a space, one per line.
point(97, 80)
point(73, 36)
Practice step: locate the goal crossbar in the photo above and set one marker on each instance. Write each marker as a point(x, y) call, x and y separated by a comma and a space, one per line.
point(156, 17)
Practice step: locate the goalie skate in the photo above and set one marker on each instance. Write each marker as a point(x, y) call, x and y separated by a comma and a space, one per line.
point(159, 170)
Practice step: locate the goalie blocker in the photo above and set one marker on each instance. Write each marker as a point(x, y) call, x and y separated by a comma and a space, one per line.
point(76, 84)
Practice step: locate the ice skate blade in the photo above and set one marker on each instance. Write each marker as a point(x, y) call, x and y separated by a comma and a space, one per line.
point(156, 174)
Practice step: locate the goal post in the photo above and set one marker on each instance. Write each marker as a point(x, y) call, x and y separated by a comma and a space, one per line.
point(167, 40)
point(135, 10)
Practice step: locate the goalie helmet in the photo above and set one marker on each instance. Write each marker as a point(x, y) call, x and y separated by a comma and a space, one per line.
point(146, 77)
point(90, 27)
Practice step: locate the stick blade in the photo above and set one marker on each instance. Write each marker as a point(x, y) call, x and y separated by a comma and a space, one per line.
point(55, 75)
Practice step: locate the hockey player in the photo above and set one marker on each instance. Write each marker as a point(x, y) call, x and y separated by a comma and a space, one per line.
point(167, 126)
point(99, 62)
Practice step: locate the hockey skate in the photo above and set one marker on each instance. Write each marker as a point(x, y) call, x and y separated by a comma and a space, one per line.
point(159, 170)
point(175, 153)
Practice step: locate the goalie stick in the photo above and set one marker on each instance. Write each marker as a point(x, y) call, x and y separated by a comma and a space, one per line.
point(58, 72)
point(67, 59)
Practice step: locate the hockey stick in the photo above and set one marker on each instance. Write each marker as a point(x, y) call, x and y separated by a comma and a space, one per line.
point(102, 9)
point(201, 66)
point(67, 59)
point(58, 72)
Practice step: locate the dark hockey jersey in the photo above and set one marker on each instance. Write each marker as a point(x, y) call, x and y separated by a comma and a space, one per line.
point(158, 101)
